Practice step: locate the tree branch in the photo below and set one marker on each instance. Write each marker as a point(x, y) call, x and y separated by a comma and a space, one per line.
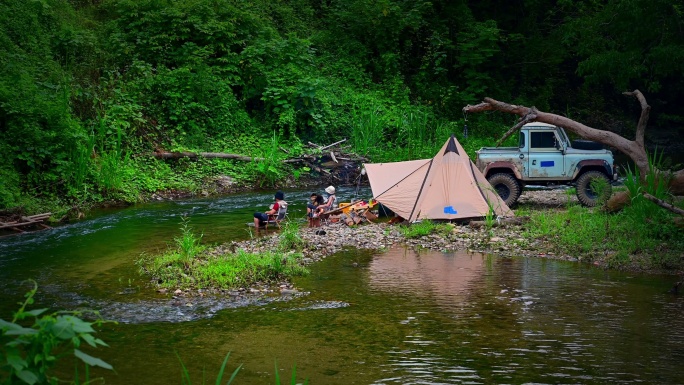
point(664, 204)
point(530, 117)
point(643, 119)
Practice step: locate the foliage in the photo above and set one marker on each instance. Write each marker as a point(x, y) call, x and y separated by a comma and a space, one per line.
point(88, 89)
point(30, 352)
point(270, 166)
point(424, 228)
point(627, 238)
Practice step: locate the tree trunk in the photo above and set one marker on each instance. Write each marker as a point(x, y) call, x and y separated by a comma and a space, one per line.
point(633, 148)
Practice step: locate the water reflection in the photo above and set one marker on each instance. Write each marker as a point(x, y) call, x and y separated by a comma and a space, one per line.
point(442, 277)
point(494, 320)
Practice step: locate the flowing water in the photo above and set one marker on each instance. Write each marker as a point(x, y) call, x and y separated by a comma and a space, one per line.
point(392, 317)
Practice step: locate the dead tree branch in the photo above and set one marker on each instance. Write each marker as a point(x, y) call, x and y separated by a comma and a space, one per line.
point(664, 204)
point(643, 119)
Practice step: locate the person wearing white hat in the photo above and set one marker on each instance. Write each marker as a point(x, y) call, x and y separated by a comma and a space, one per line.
point(331, 201)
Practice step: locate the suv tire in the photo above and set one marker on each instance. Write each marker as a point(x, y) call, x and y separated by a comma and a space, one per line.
point(586, 194)
point(506, 186)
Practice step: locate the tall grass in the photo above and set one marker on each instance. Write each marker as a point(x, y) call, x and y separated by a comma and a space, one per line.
point(289, 238)
point(269, 169)
point(368, 123)
point(641, 234)
point(188, 244)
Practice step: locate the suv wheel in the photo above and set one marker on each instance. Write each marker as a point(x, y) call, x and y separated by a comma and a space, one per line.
point(593, 187)
point(506, 186)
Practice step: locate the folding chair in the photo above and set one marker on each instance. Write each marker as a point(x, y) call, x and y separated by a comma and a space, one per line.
point(275, 219)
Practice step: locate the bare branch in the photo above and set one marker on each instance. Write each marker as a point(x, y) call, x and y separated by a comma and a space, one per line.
point(334, 144)
point(664, 204)
point(643, 119)
point(530, 117)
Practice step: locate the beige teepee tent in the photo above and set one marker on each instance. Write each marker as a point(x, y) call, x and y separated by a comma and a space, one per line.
point(448, 186)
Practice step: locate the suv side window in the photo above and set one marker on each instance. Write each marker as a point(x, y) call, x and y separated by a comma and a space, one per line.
point(522, 140)
point(542, 140)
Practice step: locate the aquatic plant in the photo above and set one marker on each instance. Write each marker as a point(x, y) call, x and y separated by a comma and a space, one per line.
point(31, 350)
point(290, 239)
point(185, 378)
point(189, 244)
point(293, 379)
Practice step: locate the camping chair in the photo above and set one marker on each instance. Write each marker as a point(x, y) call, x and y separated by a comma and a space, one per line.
point(275, 219)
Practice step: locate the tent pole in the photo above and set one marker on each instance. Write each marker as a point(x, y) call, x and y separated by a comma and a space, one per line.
point(420, 191)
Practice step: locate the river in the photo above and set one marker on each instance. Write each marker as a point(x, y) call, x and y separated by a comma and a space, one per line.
point(396, 316)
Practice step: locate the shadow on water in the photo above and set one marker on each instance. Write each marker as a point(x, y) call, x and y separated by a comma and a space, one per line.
point(393, 317)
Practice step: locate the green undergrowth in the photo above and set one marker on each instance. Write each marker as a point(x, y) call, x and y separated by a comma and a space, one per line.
point(634, 238)
point(423, 228)
point(189, 264)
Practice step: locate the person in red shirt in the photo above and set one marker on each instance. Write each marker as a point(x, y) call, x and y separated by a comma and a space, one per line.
point(260, 219)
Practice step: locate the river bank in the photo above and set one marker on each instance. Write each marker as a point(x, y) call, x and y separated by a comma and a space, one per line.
point(505, 241)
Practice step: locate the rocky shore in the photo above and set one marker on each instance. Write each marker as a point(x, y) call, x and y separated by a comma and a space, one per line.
point(504, 241)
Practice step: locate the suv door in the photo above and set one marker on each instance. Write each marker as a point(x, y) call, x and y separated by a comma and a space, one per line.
point(545, 156)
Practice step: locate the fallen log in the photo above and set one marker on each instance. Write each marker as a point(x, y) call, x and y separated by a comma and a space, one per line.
point(500, 222)
point(15, 225)
point(221, 155)
point(664, 204)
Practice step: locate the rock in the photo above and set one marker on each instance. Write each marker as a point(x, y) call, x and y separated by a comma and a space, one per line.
point(178, 291)
point(224, 181)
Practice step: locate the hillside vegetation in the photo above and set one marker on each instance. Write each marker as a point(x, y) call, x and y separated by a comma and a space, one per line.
point(90, 88)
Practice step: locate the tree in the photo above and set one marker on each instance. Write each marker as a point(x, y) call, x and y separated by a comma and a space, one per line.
point(635, 149)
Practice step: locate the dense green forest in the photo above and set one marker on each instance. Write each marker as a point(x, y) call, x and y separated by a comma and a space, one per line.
point(89, 88)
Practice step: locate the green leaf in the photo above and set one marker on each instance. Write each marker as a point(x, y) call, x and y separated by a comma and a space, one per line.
point(89, 339)
point(92, 361)
point(37, 312)
point(8, 325)
point(15, 360)
point(21, 332)
point(63, 329)
point(80, 326)
point(27, 377)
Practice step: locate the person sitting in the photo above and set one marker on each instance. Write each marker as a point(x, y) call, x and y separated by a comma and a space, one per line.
point(317, 212)
point(331, 201)
point(261, 219)
point(311, 208)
